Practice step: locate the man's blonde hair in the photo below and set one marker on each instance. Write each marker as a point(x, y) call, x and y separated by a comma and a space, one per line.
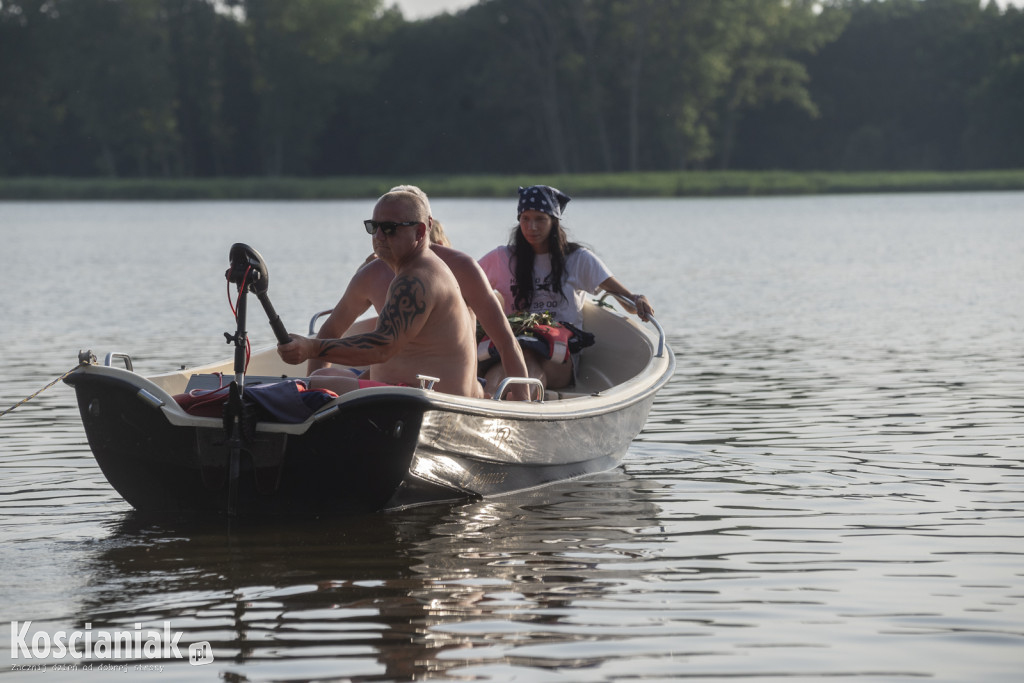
point(412, 189)
point(436, 231)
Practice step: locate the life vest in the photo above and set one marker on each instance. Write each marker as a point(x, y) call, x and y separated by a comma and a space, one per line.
point(554, 342)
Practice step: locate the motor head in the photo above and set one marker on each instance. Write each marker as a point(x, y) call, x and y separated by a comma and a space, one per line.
point(244, 259)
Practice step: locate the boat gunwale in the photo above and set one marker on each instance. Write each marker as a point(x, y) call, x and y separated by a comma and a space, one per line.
point(654, 374)
point(610, 400)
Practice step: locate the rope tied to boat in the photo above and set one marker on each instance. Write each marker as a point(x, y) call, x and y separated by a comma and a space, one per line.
point(84, 358)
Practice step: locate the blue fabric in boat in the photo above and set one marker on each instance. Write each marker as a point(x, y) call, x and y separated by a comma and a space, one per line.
point(289, 401)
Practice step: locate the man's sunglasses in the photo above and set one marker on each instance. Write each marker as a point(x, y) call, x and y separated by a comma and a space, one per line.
point(386, 227)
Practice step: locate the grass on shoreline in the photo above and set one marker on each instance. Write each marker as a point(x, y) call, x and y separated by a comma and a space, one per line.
point(641, 184)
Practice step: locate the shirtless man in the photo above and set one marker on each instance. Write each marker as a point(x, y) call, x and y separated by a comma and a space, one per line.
point(369, 287)
point(424, 326)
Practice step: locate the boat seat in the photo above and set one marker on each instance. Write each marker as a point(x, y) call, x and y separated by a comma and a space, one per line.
point(592, 378)
point(563, 395)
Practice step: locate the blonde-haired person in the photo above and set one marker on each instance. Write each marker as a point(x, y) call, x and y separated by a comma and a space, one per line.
point(369, 287)
point(424, 325)
point(435, 229)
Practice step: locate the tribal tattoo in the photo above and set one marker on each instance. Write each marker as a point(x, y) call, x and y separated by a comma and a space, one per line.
point(406, 303)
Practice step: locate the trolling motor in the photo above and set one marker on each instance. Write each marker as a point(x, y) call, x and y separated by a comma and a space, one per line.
point(249, 272)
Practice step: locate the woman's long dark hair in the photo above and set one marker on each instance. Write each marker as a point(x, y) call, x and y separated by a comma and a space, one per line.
point(522, 255)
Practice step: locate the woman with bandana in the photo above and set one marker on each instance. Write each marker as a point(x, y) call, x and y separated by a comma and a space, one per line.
point(540, 271)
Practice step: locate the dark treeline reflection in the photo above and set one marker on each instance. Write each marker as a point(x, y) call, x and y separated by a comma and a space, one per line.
point(179, 88)
point(381, 596)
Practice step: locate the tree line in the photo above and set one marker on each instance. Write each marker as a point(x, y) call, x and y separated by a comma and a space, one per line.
point(214, 88)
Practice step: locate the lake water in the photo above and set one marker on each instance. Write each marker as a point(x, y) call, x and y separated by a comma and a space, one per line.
point(831, 486)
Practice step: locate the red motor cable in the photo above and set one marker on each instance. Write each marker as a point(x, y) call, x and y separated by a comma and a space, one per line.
point(233, 305)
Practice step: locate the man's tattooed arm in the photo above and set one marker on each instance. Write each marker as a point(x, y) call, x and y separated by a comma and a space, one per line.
point(406, 304)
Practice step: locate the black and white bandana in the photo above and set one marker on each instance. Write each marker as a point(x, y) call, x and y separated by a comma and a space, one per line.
point(542, 198)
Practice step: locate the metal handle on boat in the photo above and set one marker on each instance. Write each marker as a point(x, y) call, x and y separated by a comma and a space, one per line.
point(312, 321)
point(108, 361)
point(148, 398)
point(631, 308)
point(661, 336)
point(427, 382)
point(530, 381)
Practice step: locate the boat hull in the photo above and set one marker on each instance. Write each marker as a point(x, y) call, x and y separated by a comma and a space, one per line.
point(351, 463)
point(377, 452)
point(378, 448)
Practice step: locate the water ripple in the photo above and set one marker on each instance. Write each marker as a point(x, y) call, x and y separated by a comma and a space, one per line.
point(832, 485)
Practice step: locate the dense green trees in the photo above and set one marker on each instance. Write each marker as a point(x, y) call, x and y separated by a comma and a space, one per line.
point(183, 88)
point(909, 84)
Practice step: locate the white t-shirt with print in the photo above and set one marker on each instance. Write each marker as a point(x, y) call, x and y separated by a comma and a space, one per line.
point(584, 272)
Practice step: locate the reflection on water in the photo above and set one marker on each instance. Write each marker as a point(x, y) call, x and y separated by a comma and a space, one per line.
point(396, 595)
point(831, 486)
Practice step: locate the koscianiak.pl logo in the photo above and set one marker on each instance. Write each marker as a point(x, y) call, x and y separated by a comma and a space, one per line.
point(102, 644)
